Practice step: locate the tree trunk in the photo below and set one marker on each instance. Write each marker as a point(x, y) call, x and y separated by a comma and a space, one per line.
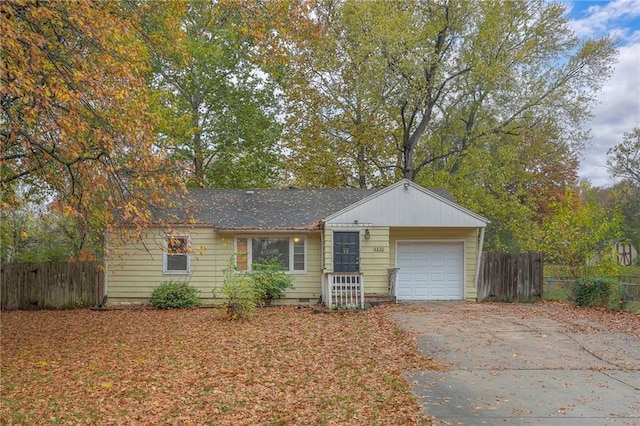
point(362, 173)
point(408, 170)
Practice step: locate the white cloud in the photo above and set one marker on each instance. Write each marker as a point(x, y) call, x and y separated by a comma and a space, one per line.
point(613, 18)
point(617, 113)
point(619, 108)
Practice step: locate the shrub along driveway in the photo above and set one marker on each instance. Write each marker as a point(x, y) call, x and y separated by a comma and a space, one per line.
point(537, 364)
point(285, 366)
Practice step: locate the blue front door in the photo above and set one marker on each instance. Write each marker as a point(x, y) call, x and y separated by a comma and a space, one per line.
point(346, 252)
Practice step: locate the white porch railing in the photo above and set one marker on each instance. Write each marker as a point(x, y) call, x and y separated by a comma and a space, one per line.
point(344, 290)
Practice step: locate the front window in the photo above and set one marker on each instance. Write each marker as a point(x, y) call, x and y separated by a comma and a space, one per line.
point(289, 251)
point(176, 254)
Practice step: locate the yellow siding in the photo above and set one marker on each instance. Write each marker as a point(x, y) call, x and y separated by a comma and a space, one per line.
point(374, 260)
point(374, 256)
point(468, 235)
point(328, 250)
point(308, 285)
point(135, 268)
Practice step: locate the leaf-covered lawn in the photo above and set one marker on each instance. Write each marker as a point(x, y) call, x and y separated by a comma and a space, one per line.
point(285, 366)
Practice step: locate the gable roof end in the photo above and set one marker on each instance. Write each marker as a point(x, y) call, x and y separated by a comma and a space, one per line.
point(407, 204)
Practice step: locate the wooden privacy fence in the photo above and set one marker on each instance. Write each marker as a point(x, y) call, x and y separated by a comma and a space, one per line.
point(510, 277)
point(50, 285)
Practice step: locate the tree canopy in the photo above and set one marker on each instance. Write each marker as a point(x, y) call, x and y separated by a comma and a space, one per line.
point(74, 117)
point(217, 106)
point(486, 99)
point(109, 106)
point(396, 89)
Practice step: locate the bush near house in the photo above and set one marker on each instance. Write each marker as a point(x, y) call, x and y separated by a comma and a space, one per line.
point(623, 289)
point(270, 280)
point(241, 297)
point(171, 294)
point(244, 291)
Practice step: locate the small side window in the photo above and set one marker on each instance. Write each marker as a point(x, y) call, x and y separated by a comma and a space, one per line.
point(242, 254)
point(176, 254)
point(298, 254)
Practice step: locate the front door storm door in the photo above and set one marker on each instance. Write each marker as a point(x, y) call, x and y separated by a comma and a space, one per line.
point(346, 252)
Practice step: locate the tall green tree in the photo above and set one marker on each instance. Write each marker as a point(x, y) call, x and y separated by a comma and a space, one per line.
point(335, 132)
point(624, 158)
point(624, 197)
point(484, 98)
point(218, 106)
point(624, 162)
point(577, 233)
point(458, 73)
point(511, 179)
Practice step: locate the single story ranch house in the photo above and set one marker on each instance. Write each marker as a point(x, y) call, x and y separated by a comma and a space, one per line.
point(338, 244)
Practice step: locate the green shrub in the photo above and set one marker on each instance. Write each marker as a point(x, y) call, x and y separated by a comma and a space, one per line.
point(171, 294)
point(595, 292)
point(270, 280)
point(241, 297)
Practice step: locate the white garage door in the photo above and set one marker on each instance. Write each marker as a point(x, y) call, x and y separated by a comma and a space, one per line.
point(430, 271)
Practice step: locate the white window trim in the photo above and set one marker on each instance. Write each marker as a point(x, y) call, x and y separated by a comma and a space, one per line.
point(165, 255)
point(249, 237)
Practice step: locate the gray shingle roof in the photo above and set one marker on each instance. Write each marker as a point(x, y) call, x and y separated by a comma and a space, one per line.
point(264, 209)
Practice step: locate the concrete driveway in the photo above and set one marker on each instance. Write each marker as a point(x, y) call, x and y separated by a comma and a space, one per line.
point(507, 364)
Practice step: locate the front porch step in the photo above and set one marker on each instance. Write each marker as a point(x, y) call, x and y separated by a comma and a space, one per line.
point(376, 299)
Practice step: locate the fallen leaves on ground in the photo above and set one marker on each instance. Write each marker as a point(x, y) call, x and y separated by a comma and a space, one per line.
point(285, 366)
point(577, 319)
point(587, 318)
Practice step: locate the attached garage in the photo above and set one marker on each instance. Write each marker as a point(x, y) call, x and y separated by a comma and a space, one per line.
point(430, 271)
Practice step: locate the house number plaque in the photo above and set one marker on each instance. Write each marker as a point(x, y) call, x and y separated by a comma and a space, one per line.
point(378, 249)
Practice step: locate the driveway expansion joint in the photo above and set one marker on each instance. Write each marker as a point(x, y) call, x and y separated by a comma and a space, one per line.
point(499, 370)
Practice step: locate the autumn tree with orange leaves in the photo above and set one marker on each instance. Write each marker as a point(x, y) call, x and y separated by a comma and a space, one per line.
point(74, 123)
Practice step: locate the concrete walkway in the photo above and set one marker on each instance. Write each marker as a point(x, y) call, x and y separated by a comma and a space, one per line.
point(511, 366)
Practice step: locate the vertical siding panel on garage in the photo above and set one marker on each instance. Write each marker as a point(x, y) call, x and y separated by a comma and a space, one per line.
point(390, 206)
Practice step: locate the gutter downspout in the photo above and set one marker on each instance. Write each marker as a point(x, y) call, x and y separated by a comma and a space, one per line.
point(480, 244)
point(106, 269)
point(322, 271)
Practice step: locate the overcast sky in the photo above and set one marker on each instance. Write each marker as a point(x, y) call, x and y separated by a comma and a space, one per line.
point(619, 109)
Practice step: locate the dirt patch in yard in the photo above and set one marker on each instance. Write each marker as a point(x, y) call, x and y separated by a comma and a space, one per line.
point(285, 366)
